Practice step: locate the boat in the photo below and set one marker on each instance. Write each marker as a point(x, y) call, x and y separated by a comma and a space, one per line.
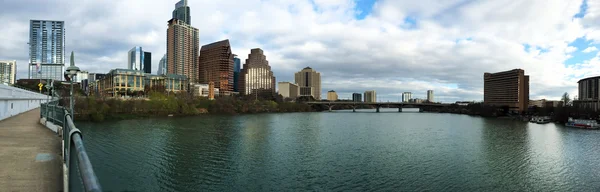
point(582, 123)
point(543, 120)
point(533, 119)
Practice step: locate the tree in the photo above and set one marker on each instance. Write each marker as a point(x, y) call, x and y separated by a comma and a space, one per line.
point(565, 99)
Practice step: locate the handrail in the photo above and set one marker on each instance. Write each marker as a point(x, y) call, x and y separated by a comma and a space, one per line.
point(74, 150)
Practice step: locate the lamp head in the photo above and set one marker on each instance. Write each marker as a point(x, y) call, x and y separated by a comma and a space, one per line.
point(72, 69)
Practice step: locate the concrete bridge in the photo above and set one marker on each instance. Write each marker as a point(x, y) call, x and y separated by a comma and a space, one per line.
point(41, 149)
point(377, 105)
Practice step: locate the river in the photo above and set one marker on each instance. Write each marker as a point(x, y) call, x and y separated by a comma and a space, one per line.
point(341, 151)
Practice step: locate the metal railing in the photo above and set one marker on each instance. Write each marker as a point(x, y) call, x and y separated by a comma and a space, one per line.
point(75, 156)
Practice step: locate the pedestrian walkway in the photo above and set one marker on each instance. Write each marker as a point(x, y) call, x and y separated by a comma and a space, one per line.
point(30, 155)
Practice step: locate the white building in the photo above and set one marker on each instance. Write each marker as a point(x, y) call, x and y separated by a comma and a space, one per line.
point(406, 96)
point(288, 90)
point(8, 72)
point(430, 96)
point(201, 90)
point(81, 75)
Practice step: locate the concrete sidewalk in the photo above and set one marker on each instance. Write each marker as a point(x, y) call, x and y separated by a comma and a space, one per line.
point(30, 155)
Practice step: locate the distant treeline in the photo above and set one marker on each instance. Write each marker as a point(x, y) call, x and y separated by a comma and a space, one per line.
point(160, 104)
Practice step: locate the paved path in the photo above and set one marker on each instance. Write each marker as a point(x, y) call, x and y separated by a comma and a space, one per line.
point(30, 157)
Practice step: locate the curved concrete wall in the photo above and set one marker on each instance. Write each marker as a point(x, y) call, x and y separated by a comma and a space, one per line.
point(14, 101)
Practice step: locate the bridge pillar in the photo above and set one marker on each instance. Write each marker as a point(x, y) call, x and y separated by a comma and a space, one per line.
point(400, 109)
point(331, 106)
point(420, 110)
point(378, 108)
point(353, 108)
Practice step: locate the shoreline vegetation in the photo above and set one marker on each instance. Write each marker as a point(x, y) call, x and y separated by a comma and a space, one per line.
point(162, 105)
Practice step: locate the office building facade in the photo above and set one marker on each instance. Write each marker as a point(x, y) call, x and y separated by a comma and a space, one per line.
point(430, 96)
point(309, 82)
point(332, 96)
point(288, 90)
point(406, 96)
point(236, 73)
point(46, 49)
point(182, 44)
point(147, 62)
point(507, 88)
point(8, 72)
point(370, 96)
point(162, 66)
point(216, 65)
point(256, 76)
point(588, 93)
point(356, 97)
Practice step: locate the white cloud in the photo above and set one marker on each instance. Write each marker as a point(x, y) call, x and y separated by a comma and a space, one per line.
point(452, 44)
point(590, 49)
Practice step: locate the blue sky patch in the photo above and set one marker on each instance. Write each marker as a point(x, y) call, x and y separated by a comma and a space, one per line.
point(363, 7)
point(579, 56)
point(582, 9)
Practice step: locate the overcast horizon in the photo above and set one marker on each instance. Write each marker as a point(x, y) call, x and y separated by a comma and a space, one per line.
point(390, 46)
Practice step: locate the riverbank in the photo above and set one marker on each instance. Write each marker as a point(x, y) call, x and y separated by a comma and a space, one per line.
point(160, 105)
point(557, 114)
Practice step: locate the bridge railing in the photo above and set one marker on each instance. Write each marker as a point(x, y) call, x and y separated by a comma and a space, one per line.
point(75, 159)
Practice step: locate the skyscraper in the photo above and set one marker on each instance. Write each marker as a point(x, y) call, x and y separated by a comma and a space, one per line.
point(256, 75)
point(182, 12)
point(371, 96)
point(356, 97)
point(46, 51)
point(430, 96)
point(406, 96)
point(182, 44)
point(507, 88)
point(309, 82)
point(162, 66)
point(8, 72)
point(147, 62)
point(216, 65)
point(135, 58)
point(236, 73)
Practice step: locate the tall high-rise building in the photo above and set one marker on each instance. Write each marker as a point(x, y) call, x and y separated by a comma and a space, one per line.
point(182, 44)
point(236, 73)
point(182, 12)
point(46, 51)
point(356, 97)
point(147, 62)
point(507, 88)
point(216, 65)
point(8, 72)
point(430, 96)
point(371, 96)
point(406, 96)
point(309, 82)
point(332, 96)
point(288, 90)
point(135, 58)
point(162, 66)
point(257, 74)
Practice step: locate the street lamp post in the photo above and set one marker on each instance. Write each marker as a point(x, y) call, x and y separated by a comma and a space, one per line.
point(72, 72)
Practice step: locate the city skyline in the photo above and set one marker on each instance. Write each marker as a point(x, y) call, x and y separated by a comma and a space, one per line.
point(446, 54)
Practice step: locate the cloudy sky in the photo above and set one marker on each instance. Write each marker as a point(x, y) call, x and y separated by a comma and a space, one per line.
point(390, 46)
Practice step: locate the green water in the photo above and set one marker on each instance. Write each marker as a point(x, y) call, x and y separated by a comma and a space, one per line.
point(342, 151)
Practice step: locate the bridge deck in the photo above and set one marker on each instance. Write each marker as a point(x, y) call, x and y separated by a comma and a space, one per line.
point(30, 157)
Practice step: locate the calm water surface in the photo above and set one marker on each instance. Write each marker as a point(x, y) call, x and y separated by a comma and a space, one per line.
point(342, 151)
